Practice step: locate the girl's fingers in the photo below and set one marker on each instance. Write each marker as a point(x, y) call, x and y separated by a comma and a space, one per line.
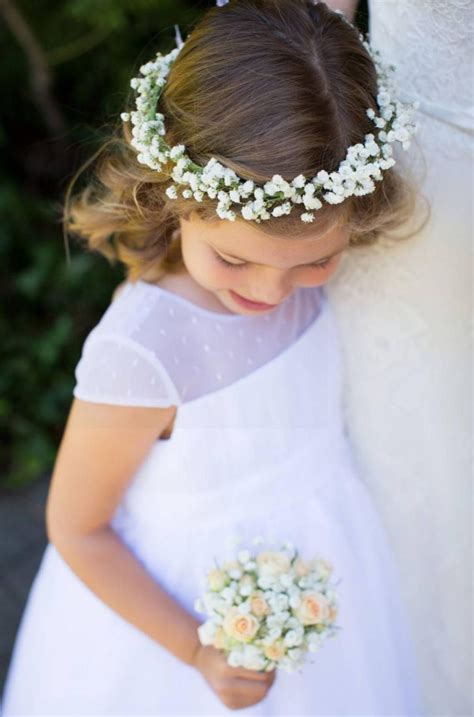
point(253, 689)
point(242, 673)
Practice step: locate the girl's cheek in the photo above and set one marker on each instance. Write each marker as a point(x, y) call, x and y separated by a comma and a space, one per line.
point(317, 277)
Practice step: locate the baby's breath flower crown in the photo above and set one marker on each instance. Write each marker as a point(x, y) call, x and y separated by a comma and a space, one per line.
point(356, 175)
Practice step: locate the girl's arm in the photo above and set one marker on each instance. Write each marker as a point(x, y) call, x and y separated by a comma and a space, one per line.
point(102, 447)
point(348, 7)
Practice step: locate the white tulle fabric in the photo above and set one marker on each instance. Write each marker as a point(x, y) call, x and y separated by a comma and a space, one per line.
point(155, 348)
point(264, 455)
point(405, 312)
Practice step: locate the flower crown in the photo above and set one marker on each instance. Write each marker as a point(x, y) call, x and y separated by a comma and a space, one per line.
point(356, 175)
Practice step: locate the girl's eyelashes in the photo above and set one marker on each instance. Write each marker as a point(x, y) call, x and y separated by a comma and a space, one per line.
point(227, 263)
point(317, 265)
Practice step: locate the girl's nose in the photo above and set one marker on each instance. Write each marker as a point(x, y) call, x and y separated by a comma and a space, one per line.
point(271, 286)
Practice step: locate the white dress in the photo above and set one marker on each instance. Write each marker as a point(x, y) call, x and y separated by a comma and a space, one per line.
point(256, 451)
point(405, 315)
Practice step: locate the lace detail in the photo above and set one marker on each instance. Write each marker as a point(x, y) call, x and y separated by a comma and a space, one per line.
point(404, 309)
point(430, 42)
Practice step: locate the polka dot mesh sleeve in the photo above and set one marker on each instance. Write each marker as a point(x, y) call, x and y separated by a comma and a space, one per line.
point(115, 369)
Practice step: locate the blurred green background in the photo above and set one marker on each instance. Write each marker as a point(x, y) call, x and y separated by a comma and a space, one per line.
point(65, 74)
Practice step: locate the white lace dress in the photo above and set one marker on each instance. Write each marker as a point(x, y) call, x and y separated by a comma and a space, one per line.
point(405, 314)
point(258, 448)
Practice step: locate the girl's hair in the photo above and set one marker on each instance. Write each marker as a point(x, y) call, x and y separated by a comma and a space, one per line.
point(267, 87)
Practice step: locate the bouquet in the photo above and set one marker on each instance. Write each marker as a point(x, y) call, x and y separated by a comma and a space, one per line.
point(268, 610)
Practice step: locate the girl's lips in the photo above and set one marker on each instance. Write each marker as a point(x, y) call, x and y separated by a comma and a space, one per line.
point(250, 304)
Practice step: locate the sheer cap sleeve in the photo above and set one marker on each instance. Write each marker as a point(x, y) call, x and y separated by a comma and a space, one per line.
point(118, 370)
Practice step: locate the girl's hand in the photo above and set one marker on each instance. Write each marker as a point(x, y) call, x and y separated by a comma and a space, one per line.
point(236, 687)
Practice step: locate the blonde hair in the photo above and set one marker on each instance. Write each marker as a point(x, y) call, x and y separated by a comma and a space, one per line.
point(267, 87)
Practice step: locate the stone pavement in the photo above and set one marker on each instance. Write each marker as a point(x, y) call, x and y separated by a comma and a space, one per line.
point(22, 542)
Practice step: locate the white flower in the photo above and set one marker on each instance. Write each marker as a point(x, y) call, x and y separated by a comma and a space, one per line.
point(251, 565)
point(293, 638)
point(295, 653)
point(206, 632)
point(235, 658)
point(274, 633)
point(253, 658)
point(295, 601)
point(286, 580)
point(177, 151)
point(322, 177)
point(363, 163)
point(243, 556)
point(271, 188)
point(312, 202)
point(171, 192)
point(199, 605)
point(248, 212)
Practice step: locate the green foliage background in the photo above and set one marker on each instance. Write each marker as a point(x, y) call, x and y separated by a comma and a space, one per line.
point(48, 305)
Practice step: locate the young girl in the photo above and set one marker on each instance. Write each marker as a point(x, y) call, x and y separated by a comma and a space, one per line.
point(208, 403)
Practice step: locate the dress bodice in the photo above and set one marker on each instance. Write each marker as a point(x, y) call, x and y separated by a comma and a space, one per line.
point(153, 347)
point(275, 436)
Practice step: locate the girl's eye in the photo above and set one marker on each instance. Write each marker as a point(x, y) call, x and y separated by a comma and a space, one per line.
point(321, 264)
point(227, 263)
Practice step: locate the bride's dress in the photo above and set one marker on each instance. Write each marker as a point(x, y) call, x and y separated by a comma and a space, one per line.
point(405, 312)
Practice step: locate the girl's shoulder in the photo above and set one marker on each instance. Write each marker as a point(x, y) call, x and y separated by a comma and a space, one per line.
point(154, 347)
point(121, 360)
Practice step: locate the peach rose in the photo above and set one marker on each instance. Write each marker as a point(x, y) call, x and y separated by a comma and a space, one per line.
point(313, 609)
point(242, 627)
point(272, 562)
point(301, 567)
point(275, 651)
point(332, 613)
point(259, 605)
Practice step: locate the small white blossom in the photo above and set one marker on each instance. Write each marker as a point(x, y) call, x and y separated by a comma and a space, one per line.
point(171, 192)
point(362, 166)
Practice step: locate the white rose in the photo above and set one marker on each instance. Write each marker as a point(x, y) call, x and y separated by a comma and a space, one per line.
point(273, 563)
point(217, 579)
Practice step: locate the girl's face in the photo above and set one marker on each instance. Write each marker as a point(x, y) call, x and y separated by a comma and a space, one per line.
point(236, 262)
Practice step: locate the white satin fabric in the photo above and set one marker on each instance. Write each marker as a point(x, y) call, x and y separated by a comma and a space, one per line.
point(405, 311)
